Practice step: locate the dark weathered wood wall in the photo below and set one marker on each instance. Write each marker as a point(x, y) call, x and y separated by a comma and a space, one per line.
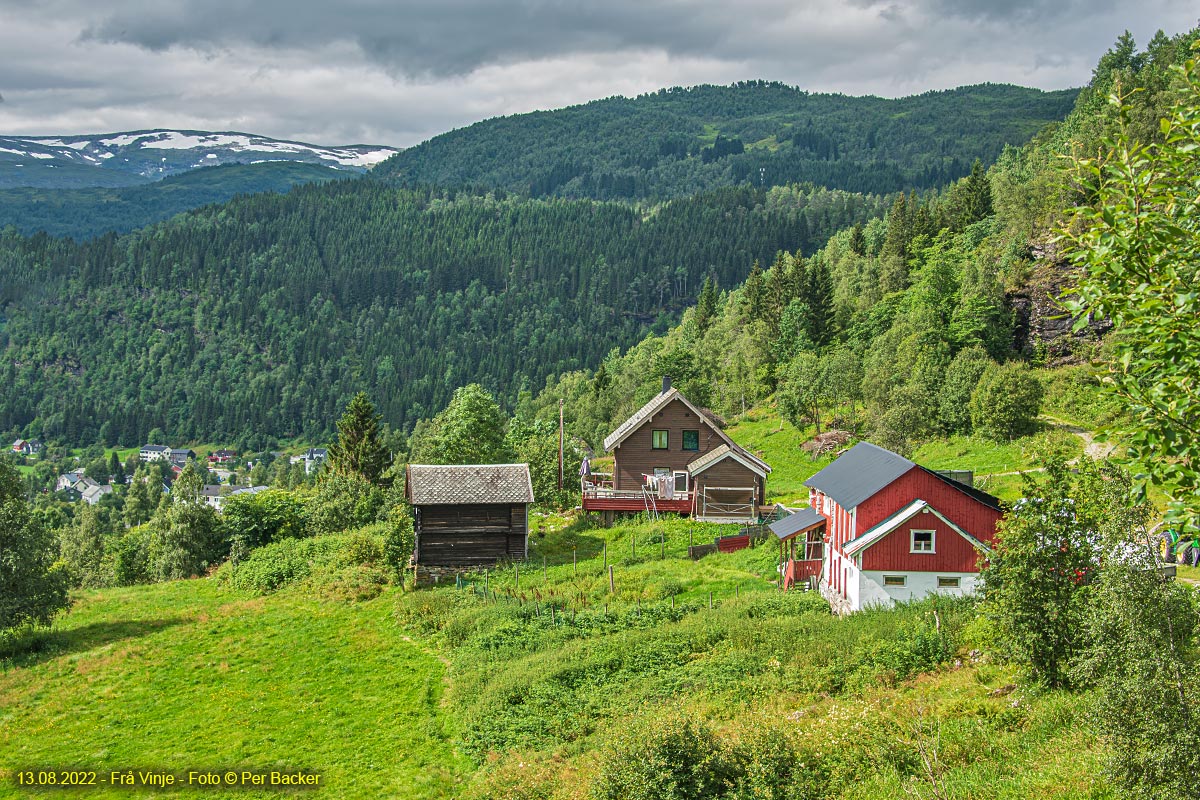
point(470, 534)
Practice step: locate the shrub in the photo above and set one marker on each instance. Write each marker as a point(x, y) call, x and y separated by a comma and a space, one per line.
point(1006, 402)
point(671, 758)
point(292, 560)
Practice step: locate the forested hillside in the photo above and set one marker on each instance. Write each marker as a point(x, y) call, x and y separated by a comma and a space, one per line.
point(680, 141)
point(908, 315)
point(262, 317)
point(84, 213)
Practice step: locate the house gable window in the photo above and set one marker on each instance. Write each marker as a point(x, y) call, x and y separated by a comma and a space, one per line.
point(921, 541)
point(691, 440)
point(895, 580)
point(659, 440)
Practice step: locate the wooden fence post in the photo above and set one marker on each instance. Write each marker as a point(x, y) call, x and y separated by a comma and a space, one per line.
point(611, 585)
point(606, 554)
point(485, 582)
point(516, 576)
point(575, 560)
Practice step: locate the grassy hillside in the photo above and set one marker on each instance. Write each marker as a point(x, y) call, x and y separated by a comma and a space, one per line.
point(996, 465)
point(540, 703)
point(186, 676)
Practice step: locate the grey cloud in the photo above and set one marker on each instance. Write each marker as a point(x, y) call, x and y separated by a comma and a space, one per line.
point(430, 38)
point(370, 72)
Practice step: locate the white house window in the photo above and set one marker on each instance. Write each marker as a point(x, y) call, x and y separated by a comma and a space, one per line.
point(895, 580)
point(948, 583)
point(922, 542)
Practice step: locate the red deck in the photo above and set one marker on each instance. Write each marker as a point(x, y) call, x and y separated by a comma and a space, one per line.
point(794, 572)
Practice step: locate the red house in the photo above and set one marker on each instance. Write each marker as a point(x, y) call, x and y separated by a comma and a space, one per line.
point(894, 530)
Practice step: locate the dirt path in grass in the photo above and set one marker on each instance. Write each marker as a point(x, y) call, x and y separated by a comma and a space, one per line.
point(1094, 450)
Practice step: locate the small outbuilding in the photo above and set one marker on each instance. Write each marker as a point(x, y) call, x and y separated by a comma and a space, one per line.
point(469, 514)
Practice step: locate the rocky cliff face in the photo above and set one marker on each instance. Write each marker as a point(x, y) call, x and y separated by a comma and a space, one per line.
point(1042, 328)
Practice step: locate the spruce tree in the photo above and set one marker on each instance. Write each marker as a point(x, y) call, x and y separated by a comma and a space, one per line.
point(359, 449)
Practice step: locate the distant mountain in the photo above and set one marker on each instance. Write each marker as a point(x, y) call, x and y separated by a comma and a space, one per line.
point(139, 157)
point(676, 142)
point(93, 211)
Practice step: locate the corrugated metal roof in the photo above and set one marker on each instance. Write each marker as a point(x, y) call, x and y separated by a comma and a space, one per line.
point(640, 416)
point(802, 520)
point(452, 484)
point(725, 451)
point(860, 473)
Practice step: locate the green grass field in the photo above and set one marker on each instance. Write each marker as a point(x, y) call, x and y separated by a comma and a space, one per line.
point(442, 692)
point(184, 676)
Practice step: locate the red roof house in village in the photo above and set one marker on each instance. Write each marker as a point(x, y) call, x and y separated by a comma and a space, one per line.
point(673, 456)
point(881, 528)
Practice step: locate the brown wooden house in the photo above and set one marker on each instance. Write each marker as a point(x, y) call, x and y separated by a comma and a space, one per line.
point(469, 514)
point(673, 456)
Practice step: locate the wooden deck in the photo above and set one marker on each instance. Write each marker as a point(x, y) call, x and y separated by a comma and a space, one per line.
point(798, 572)
point(603, 499)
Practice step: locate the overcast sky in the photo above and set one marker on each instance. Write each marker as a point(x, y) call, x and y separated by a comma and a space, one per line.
point(397, 73)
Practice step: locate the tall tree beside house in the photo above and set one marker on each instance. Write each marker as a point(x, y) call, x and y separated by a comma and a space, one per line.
point(706, 305)
point(33, 588)
point(359, 449)
point(115, 469)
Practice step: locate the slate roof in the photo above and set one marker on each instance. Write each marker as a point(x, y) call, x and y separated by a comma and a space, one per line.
point(725, 451)
point(802, 520)
point(453, 484)
point(860, 473)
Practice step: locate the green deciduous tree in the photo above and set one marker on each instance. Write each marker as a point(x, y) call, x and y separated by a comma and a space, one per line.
point(82, 547)
point(33, 587)
point(470, 430)
point(1036, 579)
point(359, 449)
point(1138, 243)
point(962, 376)
point(1006, 402)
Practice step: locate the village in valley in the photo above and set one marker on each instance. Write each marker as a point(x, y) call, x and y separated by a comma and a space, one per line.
point(877, 528)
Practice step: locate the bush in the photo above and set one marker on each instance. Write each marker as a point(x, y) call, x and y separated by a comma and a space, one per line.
point(1006, 402)
point(672, 758)
point(269, 568)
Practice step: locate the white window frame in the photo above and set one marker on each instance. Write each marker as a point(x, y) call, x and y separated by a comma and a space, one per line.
point(912, 541)
point(950, 582)
point(902, 578)
point(681, 486)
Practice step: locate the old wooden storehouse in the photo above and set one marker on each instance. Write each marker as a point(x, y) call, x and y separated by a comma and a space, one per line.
point(673, 456)
point(469, 514)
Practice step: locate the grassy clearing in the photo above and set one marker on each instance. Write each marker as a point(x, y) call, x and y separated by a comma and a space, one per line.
point(762, 432)
point(185, 675)
point(542, 698)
